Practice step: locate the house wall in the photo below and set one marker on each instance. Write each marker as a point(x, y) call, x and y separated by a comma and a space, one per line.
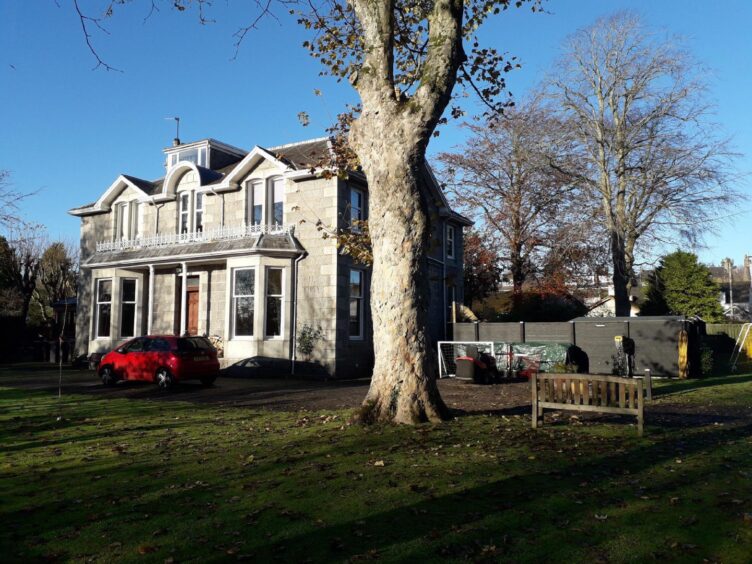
point(322, 283)
point(306, 202)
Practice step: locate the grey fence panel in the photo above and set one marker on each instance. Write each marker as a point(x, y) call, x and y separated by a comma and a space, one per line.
point(596, 339)
point(504, 332)
point(464, 332)
point(656, 340)
point(656, 345)
point(549, 332)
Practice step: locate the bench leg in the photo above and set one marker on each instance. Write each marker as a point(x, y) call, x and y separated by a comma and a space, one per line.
point(640, 424)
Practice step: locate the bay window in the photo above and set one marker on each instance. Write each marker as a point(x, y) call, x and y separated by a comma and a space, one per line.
point(243, 293)
point(128, 307)
point(274, 296)
point(103, 307)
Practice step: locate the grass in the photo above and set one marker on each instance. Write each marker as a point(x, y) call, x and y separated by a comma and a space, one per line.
point(139, 481)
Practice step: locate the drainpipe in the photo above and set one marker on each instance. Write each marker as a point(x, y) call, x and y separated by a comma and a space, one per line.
point(294, 340)
point(184, 274)
point(156, 221)
point(151, 300)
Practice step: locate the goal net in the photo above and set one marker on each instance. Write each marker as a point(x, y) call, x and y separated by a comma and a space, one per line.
point(450, 351)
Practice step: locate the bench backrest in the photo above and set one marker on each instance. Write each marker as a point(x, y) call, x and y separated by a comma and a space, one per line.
point(588, 391)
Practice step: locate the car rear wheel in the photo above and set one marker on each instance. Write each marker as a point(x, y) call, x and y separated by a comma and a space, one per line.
point(208, 380)
point(163, 379)
point(107, 374)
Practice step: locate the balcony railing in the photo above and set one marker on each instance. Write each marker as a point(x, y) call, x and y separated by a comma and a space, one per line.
point(214, 234)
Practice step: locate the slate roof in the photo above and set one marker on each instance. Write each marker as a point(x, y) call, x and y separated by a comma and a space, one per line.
point(206, 249)
point(303, 155)
point(145, 185)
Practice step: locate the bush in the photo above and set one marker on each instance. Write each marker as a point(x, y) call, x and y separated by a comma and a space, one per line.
point(715, 350)
point(706, 359)
point(307, 337)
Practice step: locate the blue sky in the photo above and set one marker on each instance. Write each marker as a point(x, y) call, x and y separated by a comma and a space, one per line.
point(68, 130)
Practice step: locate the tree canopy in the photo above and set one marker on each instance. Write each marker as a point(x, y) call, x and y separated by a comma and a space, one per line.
point(680, 285)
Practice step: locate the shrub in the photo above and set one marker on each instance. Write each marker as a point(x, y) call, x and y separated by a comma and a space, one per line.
point(707, 361)
point(307, 337)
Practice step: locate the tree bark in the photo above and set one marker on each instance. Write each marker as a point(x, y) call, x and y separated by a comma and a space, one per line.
point(403, 386)
point(621, 276)
point(390, 138)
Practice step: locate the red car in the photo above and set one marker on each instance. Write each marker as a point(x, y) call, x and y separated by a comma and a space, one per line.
point(162, 359)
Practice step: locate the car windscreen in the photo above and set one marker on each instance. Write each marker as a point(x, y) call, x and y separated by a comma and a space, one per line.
point(188, 344)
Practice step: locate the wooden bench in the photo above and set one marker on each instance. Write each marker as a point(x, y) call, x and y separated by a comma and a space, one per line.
point(586, 392)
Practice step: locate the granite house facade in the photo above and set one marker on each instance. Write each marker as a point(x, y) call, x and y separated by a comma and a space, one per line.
point(226, 244)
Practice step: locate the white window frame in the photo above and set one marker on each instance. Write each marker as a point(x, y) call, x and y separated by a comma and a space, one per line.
point(198, 196)
point(133, 219)
point(250, 202)
point(281, 297)
point(361, 303)
point(135, 307)
point(184, 211)
point(361, 215)
point(276, 181)
point(121, 220)
point(233, 306)
point(98, 303)
point(451, 242)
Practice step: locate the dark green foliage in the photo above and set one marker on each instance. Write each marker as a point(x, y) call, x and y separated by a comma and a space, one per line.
point(307, 337)
point(682, 286)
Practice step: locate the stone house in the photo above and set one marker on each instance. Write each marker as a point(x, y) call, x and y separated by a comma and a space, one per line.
point(228, 244)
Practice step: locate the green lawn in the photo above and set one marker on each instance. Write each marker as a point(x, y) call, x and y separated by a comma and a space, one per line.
point(143, 481)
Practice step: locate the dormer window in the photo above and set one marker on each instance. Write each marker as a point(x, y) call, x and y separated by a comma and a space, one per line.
point(195, 155)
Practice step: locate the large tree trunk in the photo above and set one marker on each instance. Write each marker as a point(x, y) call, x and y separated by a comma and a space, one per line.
point(621, 276)
point(403, 386)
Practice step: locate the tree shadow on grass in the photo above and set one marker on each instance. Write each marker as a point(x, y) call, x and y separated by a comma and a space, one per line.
point(698, 384)
point(523, 505)
point(507, 505)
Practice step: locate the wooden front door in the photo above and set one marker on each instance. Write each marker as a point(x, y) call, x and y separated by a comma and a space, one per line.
point(192, 301)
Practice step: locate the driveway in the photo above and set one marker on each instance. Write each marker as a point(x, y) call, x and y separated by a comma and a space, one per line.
point(281, 393)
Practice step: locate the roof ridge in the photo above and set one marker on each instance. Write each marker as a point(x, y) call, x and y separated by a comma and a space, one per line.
point(296, 143)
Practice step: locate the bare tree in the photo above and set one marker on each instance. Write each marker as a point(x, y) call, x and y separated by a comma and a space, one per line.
point(404, 58)
point(635, 103)
point(20, 257)
point(56, 278)
point(503, 177)
point(10, 198)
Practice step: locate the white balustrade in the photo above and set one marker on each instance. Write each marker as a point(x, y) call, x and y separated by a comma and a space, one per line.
point(214, 234)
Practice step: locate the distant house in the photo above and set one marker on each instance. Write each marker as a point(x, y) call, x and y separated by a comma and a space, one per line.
point(226, 244)
point(736, 295)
